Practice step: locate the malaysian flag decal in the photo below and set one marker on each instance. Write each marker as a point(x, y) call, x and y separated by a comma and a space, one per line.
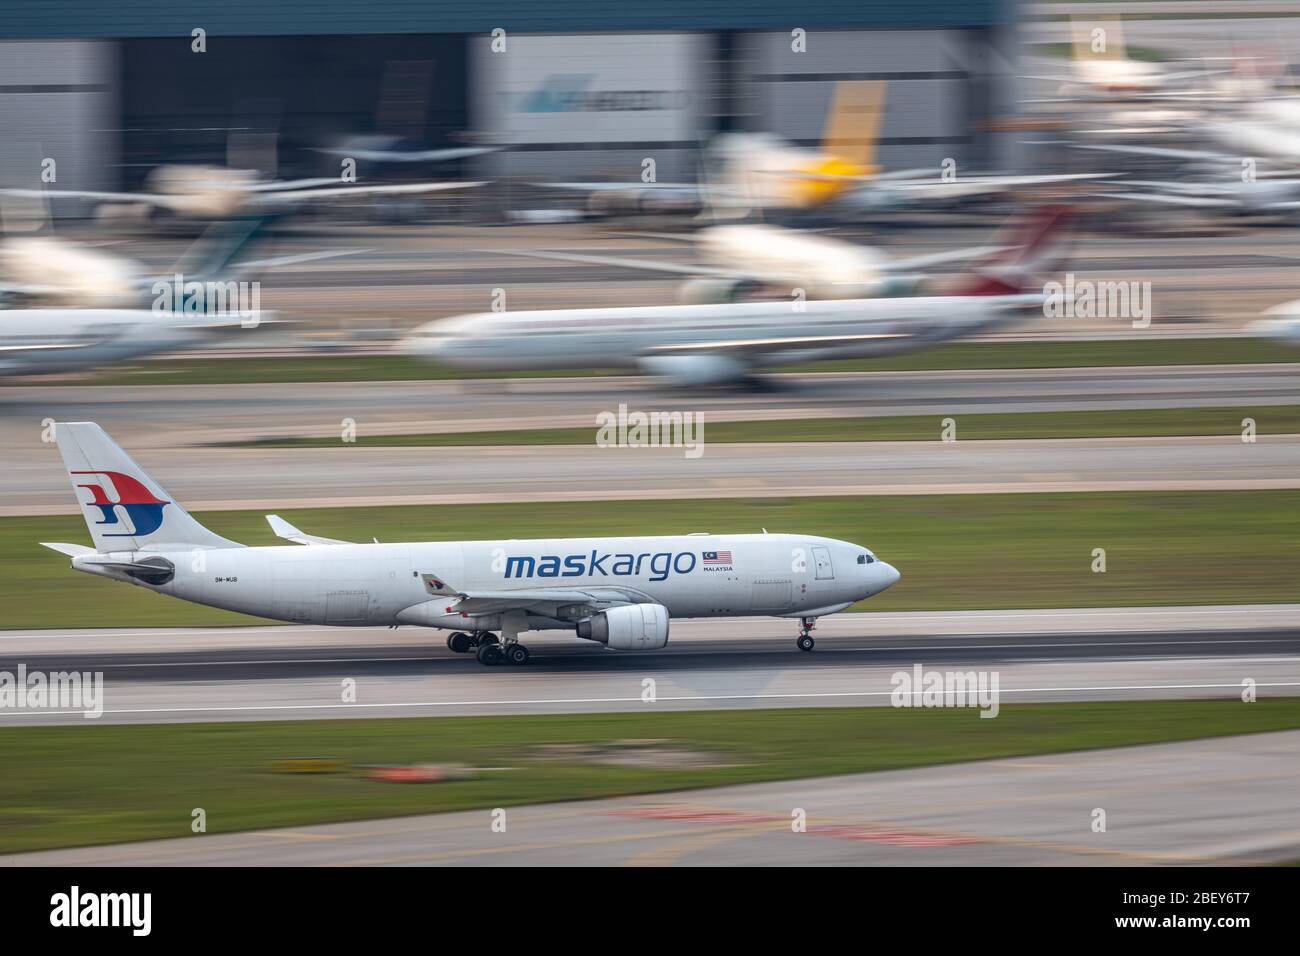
point(717, 557)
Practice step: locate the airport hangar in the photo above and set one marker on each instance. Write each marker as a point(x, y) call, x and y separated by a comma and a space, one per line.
point(584, 89)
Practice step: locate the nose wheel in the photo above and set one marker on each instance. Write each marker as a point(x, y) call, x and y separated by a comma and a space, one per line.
point(805, 640)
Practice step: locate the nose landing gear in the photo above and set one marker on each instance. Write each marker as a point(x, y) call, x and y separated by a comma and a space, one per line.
point(805, 640)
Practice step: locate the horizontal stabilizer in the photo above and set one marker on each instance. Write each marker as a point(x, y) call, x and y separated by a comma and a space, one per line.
point(71, 550)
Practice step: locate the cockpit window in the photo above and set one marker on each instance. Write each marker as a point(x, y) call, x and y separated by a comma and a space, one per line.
point(865, 559)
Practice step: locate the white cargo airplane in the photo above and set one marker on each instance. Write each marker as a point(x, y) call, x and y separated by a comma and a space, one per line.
point(718, 344)
point(620, 592)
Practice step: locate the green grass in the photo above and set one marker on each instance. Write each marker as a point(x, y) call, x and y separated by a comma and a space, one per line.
point(955, 551)
point(964, 355)
point(95, 784)
point(1146, 422)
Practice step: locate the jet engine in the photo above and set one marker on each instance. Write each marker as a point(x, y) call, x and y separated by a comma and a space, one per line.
point(695, 370)
point(630, 627)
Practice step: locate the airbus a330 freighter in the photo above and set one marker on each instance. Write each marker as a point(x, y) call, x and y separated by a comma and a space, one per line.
point(620, 592)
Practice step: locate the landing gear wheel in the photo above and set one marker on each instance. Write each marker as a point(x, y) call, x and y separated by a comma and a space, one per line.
point(489, 654)
point(460, 642)
point(806, 642)
point(517, 654)
point(486, 637)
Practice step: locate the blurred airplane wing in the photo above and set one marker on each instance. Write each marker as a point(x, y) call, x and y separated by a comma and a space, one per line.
point(1163, 152)
point(410, 156)
point(650, 265)
point(1172, 199)
point(307, 195)
point(610, 187)
point(921, 263)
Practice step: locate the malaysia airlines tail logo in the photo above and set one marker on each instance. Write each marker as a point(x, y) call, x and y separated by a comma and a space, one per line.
point(142, 508)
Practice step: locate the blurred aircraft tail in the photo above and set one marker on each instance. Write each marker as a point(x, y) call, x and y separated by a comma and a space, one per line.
point(217, 253)
point(1033, 247)
point(853, 123)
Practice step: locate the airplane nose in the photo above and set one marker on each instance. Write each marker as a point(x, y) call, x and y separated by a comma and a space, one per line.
point(890, 574)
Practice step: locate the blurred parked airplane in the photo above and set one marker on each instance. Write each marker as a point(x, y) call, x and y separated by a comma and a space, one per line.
point(45, 270)
point(738, 260)
point(40, 341)
point(750, 173)
point(1101, 66)
point(219, 192)
point(621, 592)
point(713, 344)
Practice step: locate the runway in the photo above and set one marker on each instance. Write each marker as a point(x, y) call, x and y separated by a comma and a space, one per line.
point(1165, 804)
point(167, 428)
point(192, 415)
point(348, 476)
point(280, 673)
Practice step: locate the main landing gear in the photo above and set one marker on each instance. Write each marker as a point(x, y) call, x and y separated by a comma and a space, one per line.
point(805, 640)
point(487, 648)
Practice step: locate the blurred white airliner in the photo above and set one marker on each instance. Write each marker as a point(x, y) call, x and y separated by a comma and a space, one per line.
point(728, 342)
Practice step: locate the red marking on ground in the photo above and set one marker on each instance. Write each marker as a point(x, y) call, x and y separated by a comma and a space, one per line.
point(863, 833)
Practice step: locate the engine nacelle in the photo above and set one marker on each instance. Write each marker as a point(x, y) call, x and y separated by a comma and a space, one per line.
point(693, 370)
point(631, 627)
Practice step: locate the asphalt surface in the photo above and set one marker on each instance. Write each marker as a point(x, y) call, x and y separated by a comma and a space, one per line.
point(226, 479)
point(1166, 804)
point(276, 673)
point(178, 433)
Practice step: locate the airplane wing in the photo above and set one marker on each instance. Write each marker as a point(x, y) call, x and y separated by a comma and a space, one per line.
point(287, 531)
point(921, 263)
point(1162, 152)
point(1172, 199)
point(542, 600)
point(150, 199)
point(649, 265)
point(45, 346)
point(983, 185)
point(411, 156)
point(611, 187)
point(306, 195)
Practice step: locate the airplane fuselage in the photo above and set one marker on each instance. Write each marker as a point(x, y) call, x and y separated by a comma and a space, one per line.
point(695, 575)
point(625, 337)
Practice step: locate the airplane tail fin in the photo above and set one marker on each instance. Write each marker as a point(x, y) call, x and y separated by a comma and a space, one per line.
point(216, 254)
point(853, 124)
point(1033, 247)
point(124, 508)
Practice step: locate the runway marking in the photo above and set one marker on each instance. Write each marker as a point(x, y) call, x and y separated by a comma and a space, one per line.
point(811, 695)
